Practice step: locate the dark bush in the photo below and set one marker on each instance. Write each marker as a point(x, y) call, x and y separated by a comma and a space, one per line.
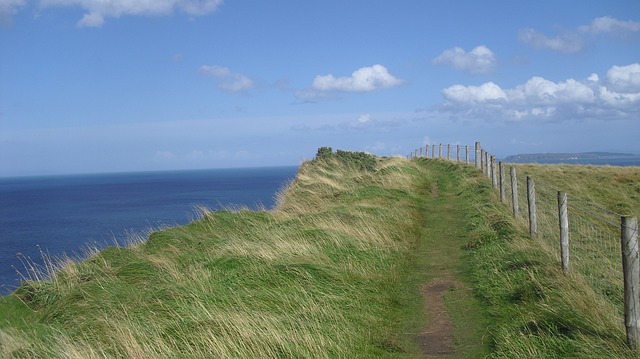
point(359, 160)
point(324, 152)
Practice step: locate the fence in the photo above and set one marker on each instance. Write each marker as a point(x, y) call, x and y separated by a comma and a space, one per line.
point(591, 241)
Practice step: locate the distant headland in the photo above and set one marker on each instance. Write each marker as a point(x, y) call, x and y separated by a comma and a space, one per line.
point(595, 158)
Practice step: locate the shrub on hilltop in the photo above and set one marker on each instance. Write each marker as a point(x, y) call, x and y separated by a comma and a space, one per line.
point(359, 160)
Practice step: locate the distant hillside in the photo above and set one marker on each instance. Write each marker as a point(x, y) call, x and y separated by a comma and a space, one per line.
point(596, 158)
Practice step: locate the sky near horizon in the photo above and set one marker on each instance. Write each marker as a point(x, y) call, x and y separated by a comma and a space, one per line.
point(123, 85)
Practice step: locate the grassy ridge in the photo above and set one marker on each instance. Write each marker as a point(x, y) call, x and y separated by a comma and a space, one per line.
point(317, 277)
point(331, 272)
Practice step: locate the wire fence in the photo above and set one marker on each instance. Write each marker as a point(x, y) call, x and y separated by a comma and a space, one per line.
point(594, 245)
point(598, 244)
point(547, 211)
point(596, 248)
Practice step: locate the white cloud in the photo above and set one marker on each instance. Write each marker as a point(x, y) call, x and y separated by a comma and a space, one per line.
point(618, 96)
point(625, 78)
point(364, 79)
point(539, 91)
point(608, 24)
point(228, 80)
point(98, 10)
point(619, 100)
point(487, 92)
point(364, 118)
point(91, 20)
point(480, 60)
point(574, 41)
point(567, 43)
point(8, 8)
point(165, 156)
point(310, 95)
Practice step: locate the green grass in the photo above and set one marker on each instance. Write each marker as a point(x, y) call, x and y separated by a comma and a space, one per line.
point(538, 311)
point(335, 270)
point(319, 276)
point(616, 188)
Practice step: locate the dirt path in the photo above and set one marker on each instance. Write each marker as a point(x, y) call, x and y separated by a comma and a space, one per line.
point(437, 339)
point(454, 325)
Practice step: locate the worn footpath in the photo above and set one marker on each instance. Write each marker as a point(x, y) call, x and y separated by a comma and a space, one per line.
point(454, 324)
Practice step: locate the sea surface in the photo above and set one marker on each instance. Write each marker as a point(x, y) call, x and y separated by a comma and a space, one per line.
point(622, 162)
point(60, 215)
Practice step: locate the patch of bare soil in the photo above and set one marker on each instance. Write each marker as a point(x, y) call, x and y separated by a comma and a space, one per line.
point(437, 338)
point(435, 190)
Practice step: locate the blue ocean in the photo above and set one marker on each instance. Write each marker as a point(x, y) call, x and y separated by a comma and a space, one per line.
point(63, 214)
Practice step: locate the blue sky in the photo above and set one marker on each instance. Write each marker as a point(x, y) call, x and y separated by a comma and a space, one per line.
point(122, 85)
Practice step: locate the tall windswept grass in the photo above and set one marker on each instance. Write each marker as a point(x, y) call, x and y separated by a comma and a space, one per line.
point(322, 275)
point(314, 277)
point(538, 310)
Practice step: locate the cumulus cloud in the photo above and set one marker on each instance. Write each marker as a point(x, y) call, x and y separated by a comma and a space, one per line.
point(624, 78)
point(484, 93)
point(228, 80)
point(480, 60)
point(364, 79)
point(615, 96)
point(608, 24)
point(567, 43)
point(98, 10)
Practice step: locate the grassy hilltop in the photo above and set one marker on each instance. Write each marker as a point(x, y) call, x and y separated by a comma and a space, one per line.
point(338, 269)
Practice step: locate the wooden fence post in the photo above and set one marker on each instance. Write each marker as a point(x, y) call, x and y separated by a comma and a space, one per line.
point(487, 163)
point(478, 157)
point(426, 151)
point(448, 151)
point(563, 217)
point(533, 216)
point(494, 174)
point(502, 181)
point(466, 154)
point(514, 192)
point(631, 268)
point(457, 153)
point(482, 156)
